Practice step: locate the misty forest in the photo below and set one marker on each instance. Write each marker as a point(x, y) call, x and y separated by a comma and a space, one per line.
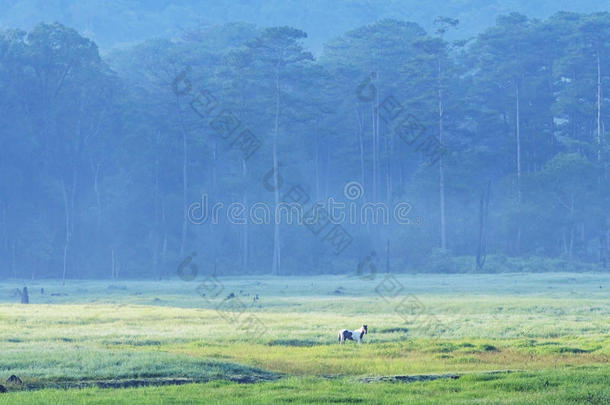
point(102, 157)
point(260, 202)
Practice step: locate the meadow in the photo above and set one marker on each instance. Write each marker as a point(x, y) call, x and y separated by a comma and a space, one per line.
point(433, 339)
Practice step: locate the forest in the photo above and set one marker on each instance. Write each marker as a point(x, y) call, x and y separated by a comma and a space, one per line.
point(105, 157)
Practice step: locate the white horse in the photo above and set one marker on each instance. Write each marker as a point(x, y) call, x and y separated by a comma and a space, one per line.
point(352, 334)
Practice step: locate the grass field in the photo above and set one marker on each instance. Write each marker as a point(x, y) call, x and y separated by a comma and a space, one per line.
point(433, 339)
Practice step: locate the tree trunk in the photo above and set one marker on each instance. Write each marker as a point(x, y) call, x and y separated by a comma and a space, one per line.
point(440, 161)
point(388, 178)
point(599, 108)
point(276, 268)
point(98, 200)
point(156, 232)
point(602, 237)
point(317, 164)
point(602, 248)
point(184, 176)
point(483, 213)
point(374, 179)
point(607, 239)
point(25, 298)
point(387, 256)
point(215, 192)
point(572, 227)
point(518, 123)
point(13, 257)
point(245, 227)
point(327, 170)
point(68, 235)
point(113, 264)
point(164, 244)
point(361, 145)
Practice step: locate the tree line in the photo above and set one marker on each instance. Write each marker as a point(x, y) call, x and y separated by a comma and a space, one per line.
point(101, 158)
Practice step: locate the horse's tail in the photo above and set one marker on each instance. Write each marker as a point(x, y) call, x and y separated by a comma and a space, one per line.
point(339, 336)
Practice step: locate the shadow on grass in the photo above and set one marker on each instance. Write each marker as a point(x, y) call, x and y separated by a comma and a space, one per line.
point(294, 343)
point(198, 372)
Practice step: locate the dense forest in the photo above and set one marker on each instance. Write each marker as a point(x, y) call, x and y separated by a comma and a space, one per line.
point(121, 23)
point(104, 160)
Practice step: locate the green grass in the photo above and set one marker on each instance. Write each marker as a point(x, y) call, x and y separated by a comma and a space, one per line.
point(575, 386)
point(550, 330)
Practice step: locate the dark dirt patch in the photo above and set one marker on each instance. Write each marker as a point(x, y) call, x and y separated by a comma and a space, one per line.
point(394, 330)
point(424, 377)
point(409, 378)
point(573, 350)
point(292, 342)
point(140, 382)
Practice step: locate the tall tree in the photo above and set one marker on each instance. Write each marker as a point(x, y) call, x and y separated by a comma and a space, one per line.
point(278, 51)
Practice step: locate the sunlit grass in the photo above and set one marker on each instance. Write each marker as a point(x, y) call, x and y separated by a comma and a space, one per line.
point(146, 329)
point(572, 386)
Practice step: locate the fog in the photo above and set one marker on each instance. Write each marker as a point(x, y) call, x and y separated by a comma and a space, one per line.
point(160, 139)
